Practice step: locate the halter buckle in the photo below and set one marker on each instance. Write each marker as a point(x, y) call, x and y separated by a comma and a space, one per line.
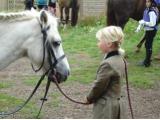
point(44, 99)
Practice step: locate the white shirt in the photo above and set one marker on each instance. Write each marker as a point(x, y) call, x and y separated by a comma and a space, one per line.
point(152, 22)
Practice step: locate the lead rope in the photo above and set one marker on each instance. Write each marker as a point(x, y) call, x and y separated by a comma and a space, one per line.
point(127, 85)
point(83, 103)
point(44, 98)
point(56, 82)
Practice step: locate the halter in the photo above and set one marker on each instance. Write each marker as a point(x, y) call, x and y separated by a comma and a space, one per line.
point(50, 51)
point(52, 60)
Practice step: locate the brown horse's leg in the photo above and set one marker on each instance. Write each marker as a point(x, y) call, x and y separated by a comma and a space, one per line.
point(67, 14)
point(75, 10)
point(111, 20)
point(139, 45)
point(74, 17)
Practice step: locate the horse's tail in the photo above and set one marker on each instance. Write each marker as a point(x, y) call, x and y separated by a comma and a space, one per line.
point(75, 9)
point(110, 13)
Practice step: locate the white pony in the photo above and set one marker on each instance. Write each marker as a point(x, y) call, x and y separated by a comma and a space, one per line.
point(22, 35)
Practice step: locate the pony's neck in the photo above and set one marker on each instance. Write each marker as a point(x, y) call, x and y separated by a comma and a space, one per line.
point(15, 39)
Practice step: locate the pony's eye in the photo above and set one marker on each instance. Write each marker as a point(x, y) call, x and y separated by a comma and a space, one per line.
point(56, 43)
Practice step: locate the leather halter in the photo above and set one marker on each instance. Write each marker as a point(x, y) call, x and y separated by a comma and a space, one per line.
point(50, 51)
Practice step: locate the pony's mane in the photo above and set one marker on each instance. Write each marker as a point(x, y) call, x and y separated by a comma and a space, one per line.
point(17, 16)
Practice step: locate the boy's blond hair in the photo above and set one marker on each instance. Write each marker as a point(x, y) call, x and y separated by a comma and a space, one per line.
point(110, 34)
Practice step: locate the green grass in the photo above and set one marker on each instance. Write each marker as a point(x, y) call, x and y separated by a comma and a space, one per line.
point(32, 80)
point(55, 100)
point(4, 85)
point(8, 103)
point(84, 57)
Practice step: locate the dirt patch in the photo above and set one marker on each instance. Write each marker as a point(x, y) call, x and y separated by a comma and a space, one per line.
point(146, 102)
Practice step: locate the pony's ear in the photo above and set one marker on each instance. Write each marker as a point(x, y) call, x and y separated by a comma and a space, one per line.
point(43, 17)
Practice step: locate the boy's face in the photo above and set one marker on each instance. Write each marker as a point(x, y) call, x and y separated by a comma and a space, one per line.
point(103, 46)
point(148, 3)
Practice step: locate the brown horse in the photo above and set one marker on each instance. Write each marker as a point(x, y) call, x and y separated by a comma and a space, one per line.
point(119, 12)
point(67, 4)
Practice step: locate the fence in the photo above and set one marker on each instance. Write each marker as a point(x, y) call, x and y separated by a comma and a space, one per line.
point(11, 5)
point(93, 7)
point(87, 7)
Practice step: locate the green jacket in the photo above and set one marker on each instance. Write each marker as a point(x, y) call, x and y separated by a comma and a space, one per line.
point(106, 93)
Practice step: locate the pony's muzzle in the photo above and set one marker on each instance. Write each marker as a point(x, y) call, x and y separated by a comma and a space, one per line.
point(60, 78)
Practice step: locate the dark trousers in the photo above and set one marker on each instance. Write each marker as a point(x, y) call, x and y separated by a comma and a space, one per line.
point(52, 5)
point(43, 7)
point(149, 36)
point(28, 4)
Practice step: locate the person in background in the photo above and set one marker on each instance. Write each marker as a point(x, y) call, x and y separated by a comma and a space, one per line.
point(150, 24)
point(42, 4)
point(52, 6)
point(29, 4)
point(106, 94)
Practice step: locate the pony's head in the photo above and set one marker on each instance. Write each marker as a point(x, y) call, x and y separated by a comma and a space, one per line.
point(34, 35)
point(51, 55)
